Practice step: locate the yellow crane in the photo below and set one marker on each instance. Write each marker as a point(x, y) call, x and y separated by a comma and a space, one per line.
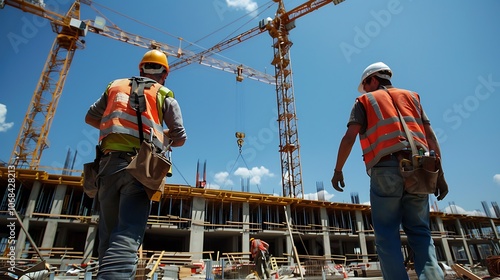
point(278, 28)
point(69, 29)
point(32, 139)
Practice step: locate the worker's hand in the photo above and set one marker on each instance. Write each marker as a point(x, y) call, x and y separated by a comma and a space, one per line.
point(441, 187)
point(337, 178)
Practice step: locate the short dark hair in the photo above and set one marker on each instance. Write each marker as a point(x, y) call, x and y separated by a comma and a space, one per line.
point(382, 82)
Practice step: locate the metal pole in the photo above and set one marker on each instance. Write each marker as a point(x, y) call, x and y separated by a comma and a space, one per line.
point(293, 244)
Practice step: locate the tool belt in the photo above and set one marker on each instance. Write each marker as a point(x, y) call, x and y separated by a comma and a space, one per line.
point(403, 154)
point(119, 154)
point(420, 174)
point(149, 167)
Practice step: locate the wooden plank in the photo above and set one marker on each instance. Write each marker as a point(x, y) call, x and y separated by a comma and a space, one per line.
point(462, 271)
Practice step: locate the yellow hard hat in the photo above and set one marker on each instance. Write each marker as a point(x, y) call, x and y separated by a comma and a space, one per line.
point(156, 57)
point(251, 239)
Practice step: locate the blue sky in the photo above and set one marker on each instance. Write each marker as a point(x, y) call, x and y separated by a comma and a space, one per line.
point(447, 51)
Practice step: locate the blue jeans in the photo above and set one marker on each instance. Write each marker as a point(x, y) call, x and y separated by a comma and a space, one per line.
point(391, 207)
point(123, 215)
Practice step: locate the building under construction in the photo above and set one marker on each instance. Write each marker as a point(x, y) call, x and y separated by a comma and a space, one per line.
point(49, 216)
point(217, 224)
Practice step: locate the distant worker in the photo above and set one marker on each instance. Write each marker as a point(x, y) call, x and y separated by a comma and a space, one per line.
point(383, 143)
point(260, 254)
point(124, 202)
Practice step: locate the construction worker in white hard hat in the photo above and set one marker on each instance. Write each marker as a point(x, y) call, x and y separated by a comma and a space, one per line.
point(375, 118)
point(129, 111)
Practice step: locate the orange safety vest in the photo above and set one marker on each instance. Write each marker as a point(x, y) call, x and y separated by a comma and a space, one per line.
point(384, 132)
point(258, 245)
point(120, 117)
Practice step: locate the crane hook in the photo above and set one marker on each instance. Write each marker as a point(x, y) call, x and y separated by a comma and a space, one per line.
point(240, 136)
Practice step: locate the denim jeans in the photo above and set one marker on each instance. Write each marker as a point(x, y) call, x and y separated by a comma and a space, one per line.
point(391, 207)
point(124, 210)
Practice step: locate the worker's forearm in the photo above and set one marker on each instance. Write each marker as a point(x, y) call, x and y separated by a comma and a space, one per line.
point(432, 141)
point(93, 122)
point(345, 148)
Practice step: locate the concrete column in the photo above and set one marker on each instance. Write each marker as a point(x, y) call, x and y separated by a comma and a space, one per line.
point(35, 191)
point(289, 238)
point(197, 227)
point(326, 235)
point(361, 235)
point(444, 241)
point(59, 195)
point(245, 239)
point(50, 234)
point(51, 227)
point(21, 239)
point(464, 241)
point(90, 241)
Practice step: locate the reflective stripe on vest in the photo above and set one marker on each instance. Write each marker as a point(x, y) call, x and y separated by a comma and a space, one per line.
point(119, 117)
point(384, 133)
point(255, 246)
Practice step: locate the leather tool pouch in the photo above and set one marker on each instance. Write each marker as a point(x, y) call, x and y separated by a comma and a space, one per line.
point(149, 167)
point(90, 173)
point(421, 179)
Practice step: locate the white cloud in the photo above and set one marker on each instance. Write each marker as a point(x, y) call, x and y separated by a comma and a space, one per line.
point(3, 113)
point(248, 5)
point(496, 178)
point(255, 174)
point(222, 178)
point(212, 186)
point(315, 196)
point(454, 209)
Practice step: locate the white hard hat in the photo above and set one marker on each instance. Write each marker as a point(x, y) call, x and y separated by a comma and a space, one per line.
point(376, 67)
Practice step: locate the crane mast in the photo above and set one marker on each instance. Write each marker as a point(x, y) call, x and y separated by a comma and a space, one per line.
point(289, 147)
point(278, 28)
point(32, 137)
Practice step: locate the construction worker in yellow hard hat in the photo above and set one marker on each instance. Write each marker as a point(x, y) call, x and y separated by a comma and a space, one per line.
point(130, 111)
point(260, 255)
point(154, 65)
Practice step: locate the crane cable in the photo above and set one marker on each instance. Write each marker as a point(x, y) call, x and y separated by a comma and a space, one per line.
point(179, 37)
point(239, 28)
point(137, 21)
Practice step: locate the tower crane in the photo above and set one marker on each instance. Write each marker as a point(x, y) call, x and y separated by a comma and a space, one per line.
point(278, 28)
point(33, 135)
